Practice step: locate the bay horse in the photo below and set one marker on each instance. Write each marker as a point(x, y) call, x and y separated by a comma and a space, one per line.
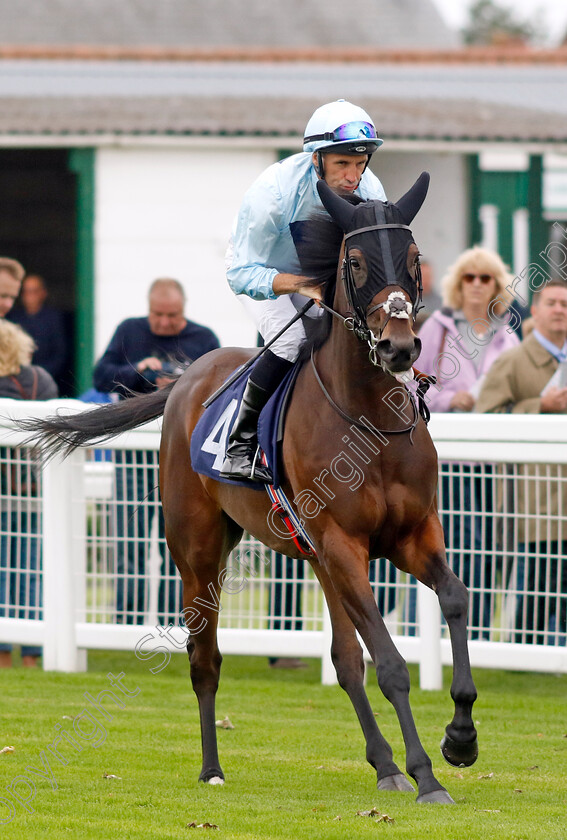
point(345, 398)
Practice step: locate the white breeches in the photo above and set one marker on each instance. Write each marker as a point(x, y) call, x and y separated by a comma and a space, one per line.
point(271, 315)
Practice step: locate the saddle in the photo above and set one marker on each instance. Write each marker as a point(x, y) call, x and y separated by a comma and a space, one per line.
point(210, 436)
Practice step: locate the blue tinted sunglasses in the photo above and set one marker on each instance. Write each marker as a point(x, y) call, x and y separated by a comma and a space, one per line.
point(347, 131)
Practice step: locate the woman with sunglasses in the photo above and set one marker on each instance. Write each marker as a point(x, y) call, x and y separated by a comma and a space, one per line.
point(460, 343)
point(463, 338)
point(262, 261)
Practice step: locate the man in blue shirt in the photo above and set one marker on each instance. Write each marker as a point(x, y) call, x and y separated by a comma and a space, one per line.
point(262, 260)
point(143, 351)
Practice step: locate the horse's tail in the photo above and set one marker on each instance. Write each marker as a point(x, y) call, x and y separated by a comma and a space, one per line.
point(61, 434)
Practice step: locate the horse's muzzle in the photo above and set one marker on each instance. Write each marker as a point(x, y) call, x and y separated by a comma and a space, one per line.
point(398, 355)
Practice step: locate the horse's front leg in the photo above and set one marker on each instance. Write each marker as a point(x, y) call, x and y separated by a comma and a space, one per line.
point(346, 562)
point(424, 557)
point(460, 745)
point(346, 654)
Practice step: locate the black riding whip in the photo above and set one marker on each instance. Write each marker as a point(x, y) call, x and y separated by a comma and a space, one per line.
point(243, 368)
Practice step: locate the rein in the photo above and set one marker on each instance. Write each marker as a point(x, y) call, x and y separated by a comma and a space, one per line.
point(359, 424)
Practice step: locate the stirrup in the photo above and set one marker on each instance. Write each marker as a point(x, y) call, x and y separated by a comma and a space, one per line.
point(260, 471)
point(246, 467)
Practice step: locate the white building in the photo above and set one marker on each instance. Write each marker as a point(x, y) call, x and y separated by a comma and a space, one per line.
point(130, 130)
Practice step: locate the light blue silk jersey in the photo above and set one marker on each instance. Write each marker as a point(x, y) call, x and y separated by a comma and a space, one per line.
point(262, 243)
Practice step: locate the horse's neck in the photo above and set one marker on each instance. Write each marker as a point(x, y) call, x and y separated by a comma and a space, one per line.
point(345, 366)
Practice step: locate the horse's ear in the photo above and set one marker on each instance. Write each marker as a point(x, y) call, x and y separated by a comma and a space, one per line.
point(410, 203)
point(339, 210)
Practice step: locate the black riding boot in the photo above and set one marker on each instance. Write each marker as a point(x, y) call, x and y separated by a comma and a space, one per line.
point(242, 461)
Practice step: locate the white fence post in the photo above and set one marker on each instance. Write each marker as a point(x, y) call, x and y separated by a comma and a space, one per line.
point(430, 668)
point(328, 673)
point(62, 489)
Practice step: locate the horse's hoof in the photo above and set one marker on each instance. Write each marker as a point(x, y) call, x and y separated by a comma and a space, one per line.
point(459, 753)
point(439, 797)
point(212, 777)
point(396, 782)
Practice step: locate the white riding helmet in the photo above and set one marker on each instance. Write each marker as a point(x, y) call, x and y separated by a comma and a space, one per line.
point(341, 127)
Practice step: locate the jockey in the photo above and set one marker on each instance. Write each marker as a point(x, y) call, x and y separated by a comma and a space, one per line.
point(262, 261)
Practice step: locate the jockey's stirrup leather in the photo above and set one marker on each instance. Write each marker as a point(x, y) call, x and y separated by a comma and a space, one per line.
point(242, 462)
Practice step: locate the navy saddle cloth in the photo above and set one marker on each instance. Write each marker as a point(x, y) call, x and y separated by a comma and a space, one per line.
point(209, 439)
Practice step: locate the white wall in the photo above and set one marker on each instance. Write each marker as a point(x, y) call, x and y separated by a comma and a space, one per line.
point(440, 228)
point(168, 212)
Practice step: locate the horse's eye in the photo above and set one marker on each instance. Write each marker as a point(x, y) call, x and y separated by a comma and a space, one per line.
point(354, 262)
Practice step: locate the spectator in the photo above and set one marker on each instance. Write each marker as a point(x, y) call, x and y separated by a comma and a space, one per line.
point(462, 340)
point(144, 354)
point(11, 276)
point(20, 545)
point(460, 343)
point(45, 325)
point(531, 379)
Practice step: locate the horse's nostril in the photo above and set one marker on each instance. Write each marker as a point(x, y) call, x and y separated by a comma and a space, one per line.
point(389, 349)
point(385, 349)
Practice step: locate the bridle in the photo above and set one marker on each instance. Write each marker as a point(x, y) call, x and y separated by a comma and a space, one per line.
point(395, 306)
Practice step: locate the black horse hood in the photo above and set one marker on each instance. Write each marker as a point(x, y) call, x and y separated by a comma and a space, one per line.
point(385, 248)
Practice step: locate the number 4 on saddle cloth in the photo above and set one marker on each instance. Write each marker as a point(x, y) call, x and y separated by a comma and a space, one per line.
point(210, 437)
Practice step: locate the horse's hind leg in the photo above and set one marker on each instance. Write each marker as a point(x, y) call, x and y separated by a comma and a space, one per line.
point(346, 654)
point(205, 661)
point(201, 606)
point(199, 538)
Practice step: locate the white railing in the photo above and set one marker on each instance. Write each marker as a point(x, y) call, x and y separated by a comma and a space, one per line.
point(106, 579)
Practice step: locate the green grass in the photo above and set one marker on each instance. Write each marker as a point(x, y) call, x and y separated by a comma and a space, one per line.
point(294, 762)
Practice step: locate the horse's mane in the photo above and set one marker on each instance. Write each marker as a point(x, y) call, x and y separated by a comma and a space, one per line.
point(318, 251)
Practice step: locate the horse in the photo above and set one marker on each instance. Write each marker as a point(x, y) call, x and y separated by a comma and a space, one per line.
point(349, 387)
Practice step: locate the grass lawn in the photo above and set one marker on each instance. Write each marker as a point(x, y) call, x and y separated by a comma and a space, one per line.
point(294, 762)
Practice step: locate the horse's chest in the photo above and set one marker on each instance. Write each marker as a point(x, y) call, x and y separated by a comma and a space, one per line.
point(400, 498)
